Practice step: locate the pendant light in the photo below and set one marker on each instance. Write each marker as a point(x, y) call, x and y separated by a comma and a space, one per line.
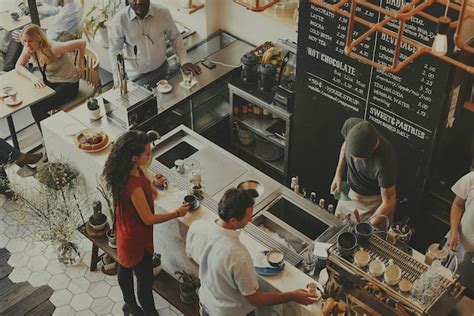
point(440, 43)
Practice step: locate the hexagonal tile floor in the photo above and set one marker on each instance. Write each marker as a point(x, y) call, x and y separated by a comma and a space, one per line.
point(72, 290)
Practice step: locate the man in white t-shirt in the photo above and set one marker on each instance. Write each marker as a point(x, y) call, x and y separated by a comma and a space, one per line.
point(462, 215)
point(229, 284)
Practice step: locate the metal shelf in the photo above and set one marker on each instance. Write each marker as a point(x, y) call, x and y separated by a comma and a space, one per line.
point(278, 165)
point(261, 103)
point(259, 127)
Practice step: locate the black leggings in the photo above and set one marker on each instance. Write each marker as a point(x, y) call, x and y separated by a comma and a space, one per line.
point(65, 92)
point(144, 273)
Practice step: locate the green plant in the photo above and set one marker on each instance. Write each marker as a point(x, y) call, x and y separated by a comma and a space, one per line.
point(99, 14)
point(187, 279)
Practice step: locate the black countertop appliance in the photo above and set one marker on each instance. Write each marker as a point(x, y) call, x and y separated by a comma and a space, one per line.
point(266, 78)
point(285, 92)
point(248, 74)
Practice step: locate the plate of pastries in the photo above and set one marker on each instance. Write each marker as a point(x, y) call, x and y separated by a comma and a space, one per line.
point(92, 140)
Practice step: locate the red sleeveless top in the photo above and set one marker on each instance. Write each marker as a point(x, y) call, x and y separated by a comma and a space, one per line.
point(133, 236)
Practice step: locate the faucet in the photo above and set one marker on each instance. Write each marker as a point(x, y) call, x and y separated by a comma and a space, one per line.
point(122, 75)
point(153, 136)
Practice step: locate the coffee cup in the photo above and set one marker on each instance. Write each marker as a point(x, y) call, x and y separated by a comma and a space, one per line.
point(162, 83)
point(346, 243)
point(392, 274)
point(275, 258)
point(15, 16)
point(192, 201)
point(12, 95)
point(376, 267)
point(361, 258)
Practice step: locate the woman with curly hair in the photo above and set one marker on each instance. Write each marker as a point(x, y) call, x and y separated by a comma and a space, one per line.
point(57, 68)
point(133, 199)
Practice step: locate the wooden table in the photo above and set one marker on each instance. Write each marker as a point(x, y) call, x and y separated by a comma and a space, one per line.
point(164, 284)
point(7, 23)
point(26, 91)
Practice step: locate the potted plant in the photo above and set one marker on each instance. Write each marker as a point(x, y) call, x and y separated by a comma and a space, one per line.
point(51, 208)
point(97, 220)
point(188, 285)
point(97, 17)
point(111, 232)
point(156, 264)
point(93, 107)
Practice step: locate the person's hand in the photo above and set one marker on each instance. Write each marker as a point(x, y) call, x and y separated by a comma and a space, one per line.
point(303, 297)
point(336, 185)
point(80, 70)
point(453, 241)
point(38, 83)
point(183, 209)
point(192, 67)
point(16, 35)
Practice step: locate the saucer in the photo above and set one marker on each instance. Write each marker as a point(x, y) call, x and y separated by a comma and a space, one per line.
point(8, 101)
point(165, 89)
point(266, 269)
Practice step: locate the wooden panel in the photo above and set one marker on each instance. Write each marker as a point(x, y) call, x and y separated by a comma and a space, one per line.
point(45, 308)
point(31, 301)
point(168, 288)
point(15, 295)
point(4, 256)
point(5, 270)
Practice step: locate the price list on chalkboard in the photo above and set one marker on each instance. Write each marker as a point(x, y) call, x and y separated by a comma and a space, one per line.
point(407, 107)
point(407, 103)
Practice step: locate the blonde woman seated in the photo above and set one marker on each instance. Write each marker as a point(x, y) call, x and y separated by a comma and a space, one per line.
point(57, 69)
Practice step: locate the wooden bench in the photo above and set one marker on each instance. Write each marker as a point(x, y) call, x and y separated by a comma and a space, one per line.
point(165, 285)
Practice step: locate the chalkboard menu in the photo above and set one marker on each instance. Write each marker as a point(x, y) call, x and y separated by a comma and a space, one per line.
point(407, 107)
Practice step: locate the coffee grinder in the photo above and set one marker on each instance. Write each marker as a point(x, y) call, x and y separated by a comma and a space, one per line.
point(248, 73)
point(285, 93)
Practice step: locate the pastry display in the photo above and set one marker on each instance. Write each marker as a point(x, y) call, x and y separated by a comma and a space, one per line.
point(92, 140)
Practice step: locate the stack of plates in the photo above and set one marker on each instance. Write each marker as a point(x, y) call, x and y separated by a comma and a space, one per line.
point(320, 251)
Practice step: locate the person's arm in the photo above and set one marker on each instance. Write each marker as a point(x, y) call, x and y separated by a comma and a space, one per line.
point(178, 45)
point(457, 210)
point(389, 197)
point(21, 69)
point(336, 184)
point(140, 203)
point(260, 298)
point(59, 48)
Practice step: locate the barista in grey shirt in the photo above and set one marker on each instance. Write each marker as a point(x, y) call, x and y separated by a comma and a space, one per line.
point(146, 26)
point(371, 172)
point(228, 281)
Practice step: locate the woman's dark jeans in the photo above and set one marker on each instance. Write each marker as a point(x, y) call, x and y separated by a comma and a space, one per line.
point(65, 92)
point(144, 273)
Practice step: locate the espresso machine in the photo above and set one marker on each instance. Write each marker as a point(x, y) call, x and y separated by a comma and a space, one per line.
point(285, 92)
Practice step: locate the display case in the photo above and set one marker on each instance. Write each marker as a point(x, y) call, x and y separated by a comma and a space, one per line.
point(260, 131)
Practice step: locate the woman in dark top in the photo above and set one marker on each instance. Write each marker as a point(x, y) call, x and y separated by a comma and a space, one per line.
point(133, 199)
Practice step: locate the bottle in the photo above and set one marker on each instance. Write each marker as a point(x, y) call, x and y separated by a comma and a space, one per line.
point(257, 111)
point(265, 113)
point(296, 188)
point(322, 203)
point(236, 109)
point(245, 108)
point(331, 208)
point(312, 197)
point(250, 108)
point(293, 183)
point(305, 193)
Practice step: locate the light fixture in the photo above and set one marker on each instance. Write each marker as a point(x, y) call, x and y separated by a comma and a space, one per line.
point(256, 5)
point(412, 9)
point(440, 43)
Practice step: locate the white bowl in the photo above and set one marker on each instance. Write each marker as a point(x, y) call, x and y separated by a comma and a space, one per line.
point(361, 258)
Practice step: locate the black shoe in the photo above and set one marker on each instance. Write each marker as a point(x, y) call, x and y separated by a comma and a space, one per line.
point(134, 310)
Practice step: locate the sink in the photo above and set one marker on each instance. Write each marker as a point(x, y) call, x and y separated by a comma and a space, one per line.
point(180, 151)
point(301, 220)
point(272, 227)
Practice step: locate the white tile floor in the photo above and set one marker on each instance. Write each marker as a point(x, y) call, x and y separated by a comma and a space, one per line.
point(77, 291)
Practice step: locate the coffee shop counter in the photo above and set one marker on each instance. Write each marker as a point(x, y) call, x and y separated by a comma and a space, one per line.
point(170, 236)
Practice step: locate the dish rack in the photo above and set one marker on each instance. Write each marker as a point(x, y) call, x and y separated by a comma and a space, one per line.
point(411, 268)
